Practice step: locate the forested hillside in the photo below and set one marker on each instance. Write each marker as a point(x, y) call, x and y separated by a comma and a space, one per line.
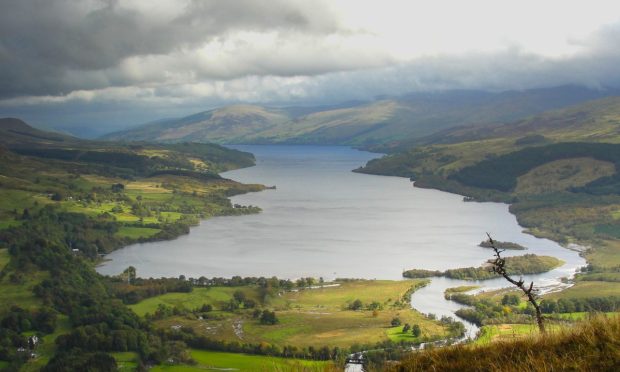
point(63, 203)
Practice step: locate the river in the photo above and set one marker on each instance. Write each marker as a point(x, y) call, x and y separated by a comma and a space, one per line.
point(325, 221)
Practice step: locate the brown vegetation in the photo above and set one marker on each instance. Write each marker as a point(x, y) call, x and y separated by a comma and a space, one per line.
point(591, 346)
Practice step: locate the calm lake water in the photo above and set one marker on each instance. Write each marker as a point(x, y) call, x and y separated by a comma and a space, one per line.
point(325, 221)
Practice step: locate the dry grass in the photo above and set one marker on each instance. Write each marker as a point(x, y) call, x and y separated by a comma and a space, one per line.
point(590, 346)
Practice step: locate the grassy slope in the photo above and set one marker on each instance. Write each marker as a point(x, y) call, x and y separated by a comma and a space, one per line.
point(591, 346)
point(20, 293)
point(560, 175)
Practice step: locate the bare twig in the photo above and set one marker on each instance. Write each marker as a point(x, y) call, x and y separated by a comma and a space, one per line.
point(499, 267)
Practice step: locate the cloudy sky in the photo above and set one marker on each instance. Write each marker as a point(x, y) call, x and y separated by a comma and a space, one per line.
point(101, 65)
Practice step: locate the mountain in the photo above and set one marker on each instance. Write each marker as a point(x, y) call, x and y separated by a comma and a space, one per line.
point(596, 120)
point(385, 124)
point(449, 150)
point(18, 137)
point(15, 132)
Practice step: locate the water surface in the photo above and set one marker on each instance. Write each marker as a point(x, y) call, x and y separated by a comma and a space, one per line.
point(324, 220)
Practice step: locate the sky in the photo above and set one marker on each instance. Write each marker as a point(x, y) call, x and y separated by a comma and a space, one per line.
point(99, 65)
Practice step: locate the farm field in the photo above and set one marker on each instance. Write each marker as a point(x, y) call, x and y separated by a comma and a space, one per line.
point(218, 361)
point(309, 317)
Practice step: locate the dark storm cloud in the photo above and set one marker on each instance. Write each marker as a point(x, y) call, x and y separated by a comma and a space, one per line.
point(95, 63)
point(57, 46)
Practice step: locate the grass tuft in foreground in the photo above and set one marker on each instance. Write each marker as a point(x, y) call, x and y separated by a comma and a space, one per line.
point(593, 345)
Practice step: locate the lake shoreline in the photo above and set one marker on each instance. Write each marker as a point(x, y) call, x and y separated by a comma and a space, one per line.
point(322, 216)
point(179, 240)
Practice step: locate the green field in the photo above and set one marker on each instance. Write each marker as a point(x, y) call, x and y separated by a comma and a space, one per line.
point(218, 361)
point(216, 296)
point(396, 334)
point(136, 232)
point(5, 224)
point(582, 315)
point(4, 258)
point(126, 361)
point(505, 332)
point(20, 293)
point(606, 255)
point(585, 289)
point(310, 317)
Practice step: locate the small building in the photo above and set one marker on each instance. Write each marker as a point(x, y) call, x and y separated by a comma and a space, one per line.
point(33, 341)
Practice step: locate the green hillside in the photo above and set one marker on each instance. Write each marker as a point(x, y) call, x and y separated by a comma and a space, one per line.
point(559, 170)
point(63, 203)
point(385, 124)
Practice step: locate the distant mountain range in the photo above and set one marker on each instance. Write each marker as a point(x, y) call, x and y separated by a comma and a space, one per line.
point(388, 123)
point(452, 149)
point(592, 121)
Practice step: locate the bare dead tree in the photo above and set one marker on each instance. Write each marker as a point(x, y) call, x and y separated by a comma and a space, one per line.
point(499, 267)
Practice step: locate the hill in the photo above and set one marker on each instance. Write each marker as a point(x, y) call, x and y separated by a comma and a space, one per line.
point(559, 171)
point(15, 132)
point(385, 124)
point(591, 121)
point(591, 346)
point(450, 150)
point(64, 202)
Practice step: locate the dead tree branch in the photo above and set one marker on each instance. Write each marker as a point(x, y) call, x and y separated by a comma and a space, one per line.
point(499, 267)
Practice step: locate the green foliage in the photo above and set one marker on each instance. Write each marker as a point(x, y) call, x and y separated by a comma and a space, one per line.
point(501, 173)
point(268, 317)
point(502, 245)
point(79, 361)
point(511, 299)
point(421, 273)
point(61, 207)
point(517, 265)
point(356, 305)
point(416, 331)
point(587, 304)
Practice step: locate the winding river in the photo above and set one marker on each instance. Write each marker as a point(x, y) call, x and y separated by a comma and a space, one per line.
point(325, 221)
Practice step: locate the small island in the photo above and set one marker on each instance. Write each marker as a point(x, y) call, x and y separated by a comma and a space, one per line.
point(502, 245)
point(519, 265)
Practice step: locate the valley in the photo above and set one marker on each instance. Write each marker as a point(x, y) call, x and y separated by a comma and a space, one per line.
point(95, 197)
point(309, 186)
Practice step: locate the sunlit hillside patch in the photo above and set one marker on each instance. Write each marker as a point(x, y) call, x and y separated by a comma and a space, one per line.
point(308, 317)
point(563, 174)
